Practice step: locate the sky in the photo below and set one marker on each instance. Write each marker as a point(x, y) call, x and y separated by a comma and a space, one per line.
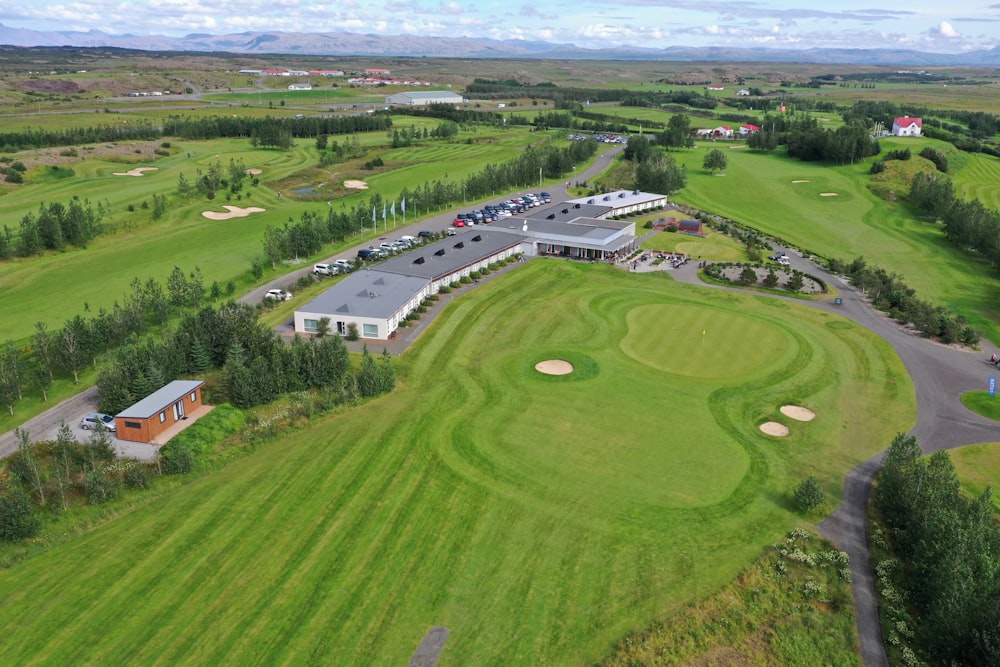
point(922, 25)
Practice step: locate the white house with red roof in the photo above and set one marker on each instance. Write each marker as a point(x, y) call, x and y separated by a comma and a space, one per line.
point(906, 127)
point(748, 129)
point(723, 131)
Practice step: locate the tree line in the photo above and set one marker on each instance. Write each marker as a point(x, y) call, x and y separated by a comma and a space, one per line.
point(83, 339)
point(133, 130)
point(313, 230)
point(968, 224)
point(53, 227)
point(256, 365)
point(890, 294)
point(950, 545)
point(804, 139)
point(223, 127)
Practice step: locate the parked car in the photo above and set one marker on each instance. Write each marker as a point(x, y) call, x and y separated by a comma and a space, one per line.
point(324, 269)
point(409, 240)
point(278, 295)
point(450, 231)
point(92, 420)
point(368, 254)
point(546, 197)
point(425, 234)
point(459, 223)
point(343, 266)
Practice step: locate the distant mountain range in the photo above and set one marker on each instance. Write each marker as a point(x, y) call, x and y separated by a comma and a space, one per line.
point(352, 44)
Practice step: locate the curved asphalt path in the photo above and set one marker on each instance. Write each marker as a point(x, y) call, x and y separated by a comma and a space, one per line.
point(940, 376)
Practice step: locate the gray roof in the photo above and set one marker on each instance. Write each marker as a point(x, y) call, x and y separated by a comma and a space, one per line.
point(618, 198)
point(589, 231)
point(567, 211)
point(421, 95)
point(160, 399)
point(441, 258)
point(366, 293)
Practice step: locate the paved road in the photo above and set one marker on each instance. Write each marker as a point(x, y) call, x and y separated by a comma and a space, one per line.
point(46, 427)
point(940, 376)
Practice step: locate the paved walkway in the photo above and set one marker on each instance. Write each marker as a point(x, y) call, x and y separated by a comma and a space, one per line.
point(940, 374)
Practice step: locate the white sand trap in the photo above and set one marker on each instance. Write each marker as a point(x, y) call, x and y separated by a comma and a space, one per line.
point(254, 171)
point(356, 185)
point(233, 212)
point(829, 194)
point(798, 413)
point(554, 367)
point(800, 181)
point(136, 172)
point(774, 428)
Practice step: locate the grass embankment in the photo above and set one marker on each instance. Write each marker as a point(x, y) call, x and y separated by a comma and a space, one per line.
point(790, 607)
point(760, 191)
point(539, 519)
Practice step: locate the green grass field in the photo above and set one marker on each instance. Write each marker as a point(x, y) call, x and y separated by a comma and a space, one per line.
point(714, 247)
point(759, 190)
point(539, 518)
point(223, 250)
point(978, 467)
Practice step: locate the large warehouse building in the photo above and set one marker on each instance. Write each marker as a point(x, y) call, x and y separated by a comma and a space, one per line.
point(376, 300)
point(424, 97)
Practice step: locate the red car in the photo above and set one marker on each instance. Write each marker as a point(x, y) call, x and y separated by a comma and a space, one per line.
point(459, 223)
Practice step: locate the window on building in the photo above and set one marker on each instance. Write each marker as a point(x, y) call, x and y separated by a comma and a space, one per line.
point(163, 416)
point(310, 326)
point(194, 396)
point(369, 330)
point(129, 424)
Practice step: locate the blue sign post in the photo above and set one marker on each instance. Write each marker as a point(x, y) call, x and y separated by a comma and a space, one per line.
point(993, 386)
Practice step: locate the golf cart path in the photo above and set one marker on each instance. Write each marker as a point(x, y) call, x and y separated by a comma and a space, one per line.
point(940, 374)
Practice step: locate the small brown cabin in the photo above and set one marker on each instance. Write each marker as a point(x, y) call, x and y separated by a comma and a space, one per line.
point(154, 414)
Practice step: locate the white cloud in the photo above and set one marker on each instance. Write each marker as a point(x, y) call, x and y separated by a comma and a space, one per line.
point(946, 30)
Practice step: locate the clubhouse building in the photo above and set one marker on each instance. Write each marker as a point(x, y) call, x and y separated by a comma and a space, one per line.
point(377, 299)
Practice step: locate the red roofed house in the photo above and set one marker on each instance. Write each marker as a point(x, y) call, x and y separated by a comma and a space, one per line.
point(723, 131)
point(748, 129)
point(906, 127)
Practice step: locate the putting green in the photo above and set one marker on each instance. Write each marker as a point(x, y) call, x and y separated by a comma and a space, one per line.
point(702, 342)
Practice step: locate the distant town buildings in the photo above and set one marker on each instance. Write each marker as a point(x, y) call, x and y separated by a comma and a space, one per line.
point(372, 76)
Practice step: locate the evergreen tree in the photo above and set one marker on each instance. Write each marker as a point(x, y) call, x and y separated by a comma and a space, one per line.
point(17, 519)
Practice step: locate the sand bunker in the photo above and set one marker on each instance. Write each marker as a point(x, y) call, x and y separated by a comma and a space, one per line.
point(554, 367)
point(774, 428)
point(800, 181)
point(829, 194)
point(356, 185)
point(233, 212)
point(135, 172)
point(798, 413)
point(254, 171)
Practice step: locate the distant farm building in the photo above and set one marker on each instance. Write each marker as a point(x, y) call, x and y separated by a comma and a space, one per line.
point(748, 129)
point(907, 127)
point(376, 72)
point(300, 86)
point(163, 409)
point(424, 97)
